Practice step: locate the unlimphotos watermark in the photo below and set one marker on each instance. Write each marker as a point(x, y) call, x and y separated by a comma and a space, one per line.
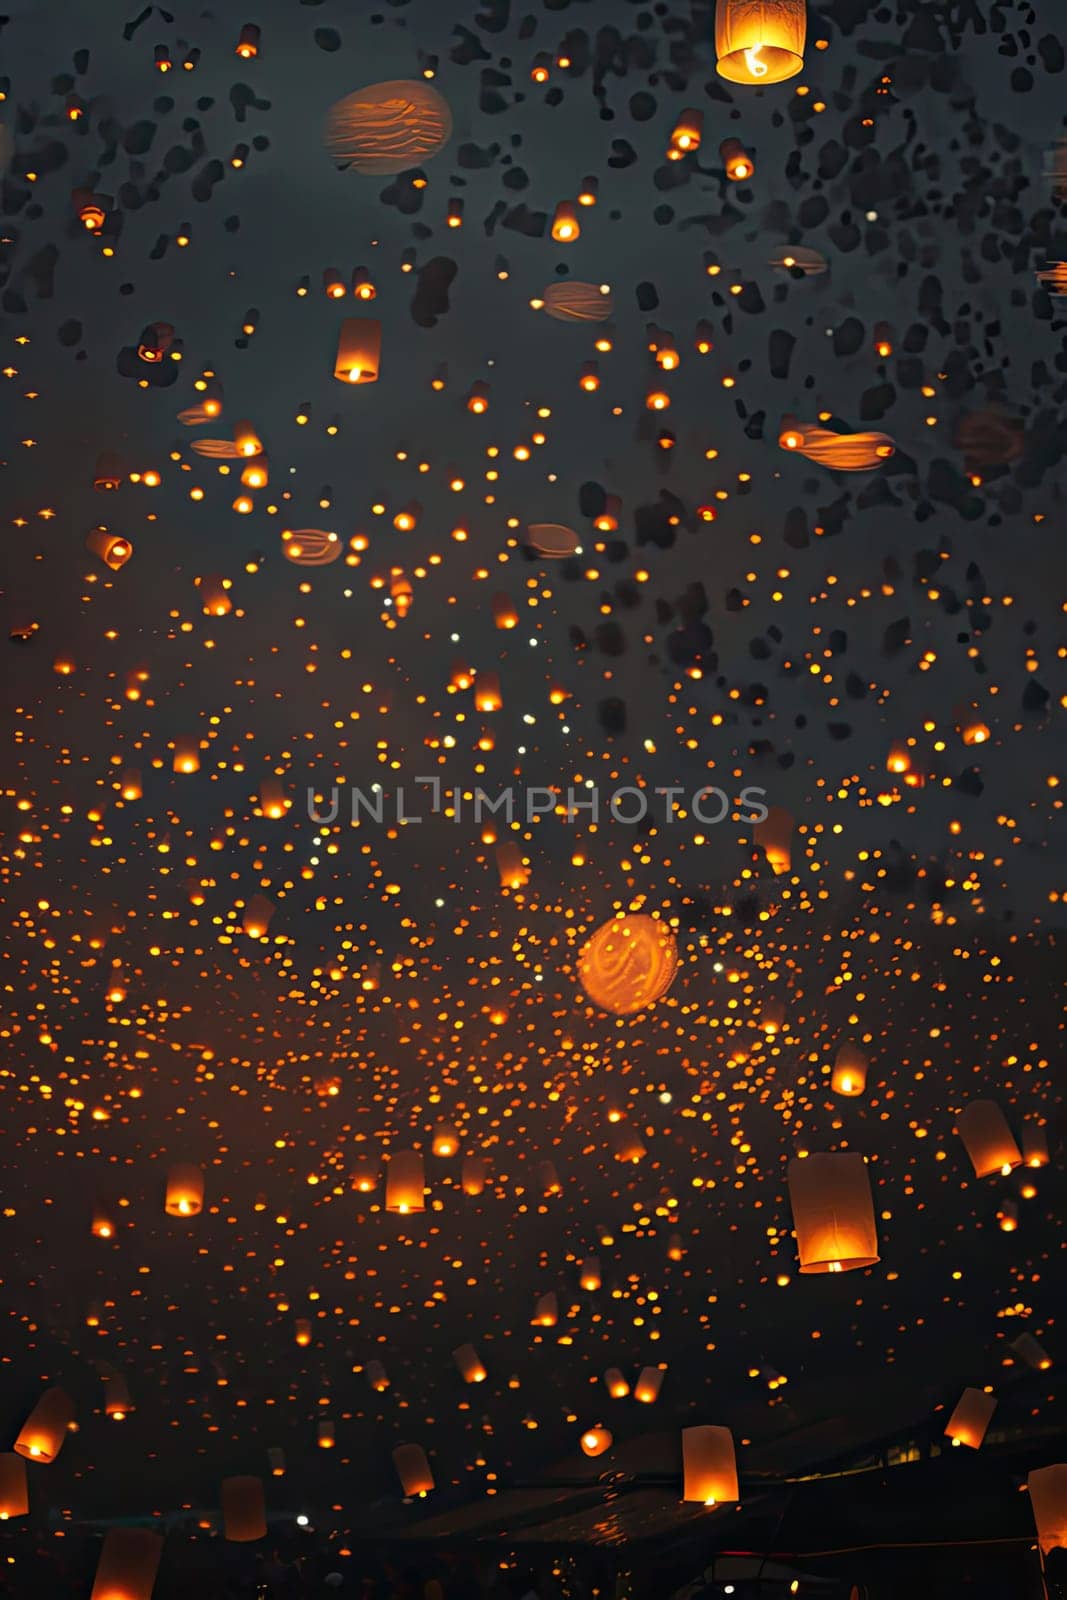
point(628, 806)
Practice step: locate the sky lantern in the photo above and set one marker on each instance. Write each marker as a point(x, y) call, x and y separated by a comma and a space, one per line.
point(473, 1175)
point(257, 916)
point(244, 1511)
point(377, 1376)
point(487, 695)
point(628, 964)
point(215, 598)
point(185, 1190)
point(117, 1401)
point(128, 1565)
point(833, 1213)
point(648, 1385)
point(273, 800)
point(1030, 1350)
point(512, 869)
point(325, 1434)
point(972, 1416)
point(505, 613)
point(387, 127)
point(616, 1384)
point(840, 452)
point(737, 164)
point(595, 1441)
point(546, 1311)
point(14, 1487)
point(359, 350)
point(774, 836)
point(469, 1364)
point(1035, 1143)
point(760, 41)
point(1047, 1487)
point(302, 1332)
point(113, 549)
point(186, 755)
point(987, 1139)
point(709, 1466)
point(686, 134)
point(405, 1183)
point(548, 1178)
point(573, 301)
point(276, 1461)
point(446, 1140)
point(248, 42)
point(44, 1432)
point(565, 225)
point(589, 1274)
point(849, 1076)
point(103, 1221)
point(311, 547)
point(413, 1470)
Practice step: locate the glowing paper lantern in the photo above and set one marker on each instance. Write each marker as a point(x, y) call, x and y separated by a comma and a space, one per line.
point(987, 1139)
point(377, 1377)
point(648, 1385)
point(14, 1490)
point(1028, 1349)
point(546, 1311)
point(760, 41)
point(849, 1076)
point(325, 1435)
point(276, 1461)
point(473, 1177)
point(445, 1139)
point(972, 1416)
point(310, 547)
point(302, 1332)
point(114, 550)
point(565, 225)
point(512, 870)
point(1048, 1500)
point(841, 452)
point(736, 161)
point(117, 1401)
point(1035, 1143)
point(548, 1178)
point(469, 1364)
point(359, 350)
point(244, 1512)
point(185, 1190)
point(628, 964)
point(103, 1222)
point(709, 1466)
point(388, 127)
point(128, 1565)
point(686, 134)
point(257, 917)
point(552, 540)
point(570, 301)
point(617, 1386)
point(595, 1441)
point(833, 1213)
point(774, 837)
point(799, 258)
point(42, 1435)
point(589, 1276)
point(413, 1470)
point(487, 695)
point(405, 1183)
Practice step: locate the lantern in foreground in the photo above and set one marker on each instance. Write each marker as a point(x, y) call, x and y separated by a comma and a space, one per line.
point(244, 1512)
point(388, 127)
point(648, 1385)
point(572, 301)
point(617, 1386)
point(248, 42)
point(1048, 1500)
point(987, 1139)
point(628, 964)
point(840, 452)
point(14, 1492)
point(405, 1183)
point(709, 1466)
point(595, 1441)
point(833, 1213)
point(310, 547)
point(760, 41)
point(849, 1076)
point(972, 1416)
point(185, 1190)
point(469, 1364)
point(413, 1469)
point(129, 1562)
point(45, 1429)
point(359, 350)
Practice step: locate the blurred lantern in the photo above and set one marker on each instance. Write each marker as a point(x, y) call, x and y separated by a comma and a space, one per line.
point(898, 759)
point(454, 218)
point(513, 871)
point(117, 1401)
point(760, 41)
point(841, 452)
point(407, 517)
point(333, 284)
point(362, 284)
point(487, 696)
point(883, 340)
point(565, 225)
point(626, 1143)
point(42, 1435)
point(400, 592)
point(388, 127)
point(161, 56)
point(628, 964)
point(687, 134)
point(130, 784)
point(737, 163)
point(833, 1213)
point(617, 1386)
point(595, 1441)
point(798, 260)
point(186, 755)
point(185, 1190)
point(709, 1466)
point(302, 1332)
point(377, 1377)
point(648, 1385)
point(256, 475)
point(774, 836)
point(248, 41)
point(589, 1274)
point(473, 1178)
point(548, 1178)
point(970, 726)
point(1047, 1487)
point(310, 547)
point(276, 1461)
point(445, 1139)
point(469, 1364)
point(114, 551)
point(365, 1175)
point(1027, 1348)
point(103, 1223)
point(255, 922)
point(972, 1416)
point(359, 350)
point(589, 191)
point(589, 378)
point(244, 1512)
point(1035, 1144)
point(405, 1183)
point(570, 301)
point(247, 440)
point(849, 1076)
point(772, 1016)
point(1008, 1216)
point(273, 800)
point(478, 398)
point(107, 475)
point(156, 339)
point(546, 1311)
point(128, 1565)
point(324, 1434)
point(413, 1470)
point(505, 614)
point(607, 519)
point(987, 1139)
point(14, 1490)
point(214, 595)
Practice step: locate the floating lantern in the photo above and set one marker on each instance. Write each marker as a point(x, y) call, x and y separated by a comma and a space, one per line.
point(736, 161)
point(833, 1213)
point(276, 1461)
point(248, 42)
point(388, 127)
point(113, 549)
point(14, 1489)
point(513, 871)
point(1047, 1487)
point(686, 134)
point(552, 540)
point(505, 614)
point(709, 1466)
point(760, 41)
point(103, 1222)
point(617, 1386)
point(595, 1441)
point(359, 350)
point(548, 1178)
point(970, 725)
point(648, 1385)
point(255, 922)
point(1035, 1144)
point(108, 474)
point(987, 1139)
point(799, 259)
point(473, 1176)
point(156, 339)
point(478, 397)
point(571, 301)
point(363, 285)
point(302, 1332)
point(377, 1377)
point(117, 1401)
point(244, 1511)
point(774, 836)
point(445, 1139)
point(405, 1183)
point(849, 1076)
point(589, 1274)
point(325, 1436)
point(128, 1565)
point(413, 1470)
point(589, 191)
point(42, 1435)
point(214, 595)
point(185, 1190)
point(487, 695)
point(565, 225)
point(546, 1311)
point(273, 800)
point(628, 964)
point(972, 1416)
point(186, 755)
point(310, 547)
point(1028, 1349)
point(841, 452)
point(365, 1176)
point(469, 1364)
point(772, 1016)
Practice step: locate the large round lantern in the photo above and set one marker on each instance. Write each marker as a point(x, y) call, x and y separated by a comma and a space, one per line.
point(405, 1183)
point(987, 1139)
point(388, 127)
point(43, 1433)
point(244, 1512)
point(760, 41)
point(628, 964)
point(128, 1565)
point(833, 1213)
point(709, 1466)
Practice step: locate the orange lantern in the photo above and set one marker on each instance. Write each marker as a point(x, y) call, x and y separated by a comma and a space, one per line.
point(736, 161)
point(987, 1139)
point(595, 1441)
point(849, 1076)
point(774, 837)
point(772, 1016)
point(42, 1435)
point(359, 351)
point(505, 614)
point(473, 1177)
point(648, 1385)
point(709, 1466)
point(469, 1364)
point(841, 452)
point(760, 41)
point(405, 1183)
point(628, 964)
point(310, 547)
point(589, 1276)
point(617, 1386)
point(114, 551)
point(686, 135)
point(512, 870)
point(103, 1223)
point(413, 1470)
point(117, 1402)
point(257, 917)
point(388, 127)
point(487, 696)
point(185, 1190)
point(565, 225)
point(833, 1213)
point(325, 1434)
point(130, 784)
point(244, 1511)
point(571, 301)
point(186, 755)
point(303, 1331)
point(214, 595)
point(546, 1311)
point(377, 1377)
point(128, 1565)
point(248, 42)
point(273, 800)
point(972, 1416)
point(276, 1461)
point(14, 1490)
point(365, 1175)
point(1035, 1143)
point(548, 1178)
point(1047, 1487)
point(445, 1139)
point(1028, 1349)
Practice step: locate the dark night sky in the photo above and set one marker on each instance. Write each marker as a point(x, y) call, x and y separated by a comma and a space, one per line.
point(820, 618)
